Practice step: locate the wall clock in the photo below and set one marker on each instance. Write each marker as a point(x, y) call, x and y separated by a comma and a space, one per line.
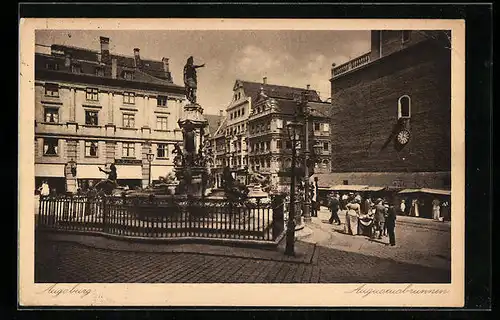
point(403, 137)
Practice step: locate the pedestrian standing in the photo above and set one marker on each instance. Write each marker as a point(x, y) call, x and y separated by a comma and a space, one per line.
point(314, 198)
point(436, 209)
point(386, 212)
point(44, 189)
point(379, 217)
point(445, 211)
point(402, 207)
point(334, 208)
point(390, 222)
point(343, 201)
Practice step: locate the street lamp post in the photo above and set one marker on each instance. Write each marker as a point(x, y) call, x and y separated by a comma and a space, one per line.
point(293, 129)
point(302, 105)
point(150, 157)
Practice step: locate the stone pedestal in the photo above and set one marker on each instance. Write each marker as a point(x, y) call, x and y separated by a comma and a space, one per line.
point(191, 180)
point(191, 172)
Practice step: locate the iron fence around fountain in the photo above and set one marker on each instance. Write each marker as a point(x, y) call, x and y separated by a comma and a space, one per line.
point(163, 218)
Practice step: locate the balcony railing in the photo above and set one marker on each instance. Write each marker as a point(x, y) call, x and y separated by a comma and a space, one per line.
point(351, 65)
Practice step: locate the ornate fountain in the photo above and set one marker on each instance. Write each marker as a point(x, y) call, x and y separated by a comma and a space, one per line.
point(190, 162)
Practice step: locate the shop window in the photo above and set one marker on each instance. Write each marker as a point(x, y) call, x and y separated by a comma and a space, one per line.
point(129, 97)
point(50, 147)
point(92, 94)
point(91, 148)
point(161, 101)
point(128, 149)
point(91, 118)
point(128, 120)
point(162, 151)
point(52, 90)
point(52, 115)
point(161, 123)
point(404, 107)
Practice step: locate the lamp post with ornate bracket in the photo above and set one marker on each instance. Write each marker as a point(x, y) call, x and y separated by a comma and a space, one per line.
point(302, 105)
point(294, 129)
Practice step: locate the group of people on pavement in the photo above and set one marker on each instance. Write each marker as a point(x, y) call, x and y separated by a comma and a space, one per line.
point(379, 215)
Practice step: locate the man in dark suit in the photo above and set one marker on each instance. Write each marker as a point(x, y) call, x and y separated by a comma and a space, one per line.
point(334, 208)
point(390, 222)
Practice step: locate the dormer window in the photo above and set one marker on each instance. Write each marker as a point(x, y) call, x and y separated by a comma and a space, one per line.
point(128, 75)
point(99, 72)
point(404, 107)
point(76, 68)
point(405, 36)
point(52, 66)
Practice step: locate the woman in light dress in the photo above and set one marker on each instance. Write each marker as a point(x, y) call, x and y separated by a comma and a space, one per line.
point(414, 208)
point(352, 216)
point(436, 208)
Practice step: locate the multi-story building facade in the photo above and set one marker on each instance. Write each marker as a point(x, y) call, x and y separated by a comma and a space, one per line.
point(95, 108)
point(270, 147)
point(391, 113)
point(231, 141)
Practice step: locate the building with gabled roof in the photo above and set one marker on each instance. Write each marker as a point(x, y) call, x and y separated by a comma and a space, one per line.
point(236, 142)
point(94, 108)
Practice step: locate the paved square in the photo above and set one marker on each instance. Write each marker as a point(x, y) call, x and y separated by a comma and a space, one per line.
point(422, 255)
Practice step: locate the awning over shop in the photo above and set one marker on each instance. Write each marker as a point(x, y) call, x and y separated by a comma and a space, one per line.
point(373, 189)
point(160, 171)
point(427, 190)
point(129, 172)
point(348, 187)
point(49, 170)
point(89, 171)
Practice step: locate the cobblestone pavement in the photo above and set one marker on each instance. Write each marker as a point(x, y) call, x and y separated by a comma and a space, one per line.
point(426, 244)
point(332, 262)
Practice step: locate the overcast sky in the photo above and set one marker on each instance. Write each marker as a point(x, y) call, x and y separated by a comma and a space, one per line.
point(291, 58)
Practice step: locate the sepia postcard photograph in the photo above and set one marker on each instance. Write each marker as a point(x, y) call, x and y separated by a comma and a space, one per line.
point(242, 162)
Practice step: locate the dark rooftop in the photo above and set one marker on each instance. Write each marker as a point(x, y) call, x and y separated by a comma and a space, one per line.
point(252, 89)
point(88, 61)
point(214, 122)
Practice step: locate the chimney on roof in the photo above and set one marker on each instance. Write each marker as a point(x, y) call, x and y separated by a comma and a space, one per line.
point(137, 58)
point(333, 67)
point(221, 113)
point(308, 87)
point(104, 49)
point(264, 80)
point(166, 68)
point(114, 68)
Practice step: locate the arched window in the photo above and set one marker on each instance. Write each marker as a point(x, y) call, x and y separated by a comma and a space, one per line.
point(404, 107)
